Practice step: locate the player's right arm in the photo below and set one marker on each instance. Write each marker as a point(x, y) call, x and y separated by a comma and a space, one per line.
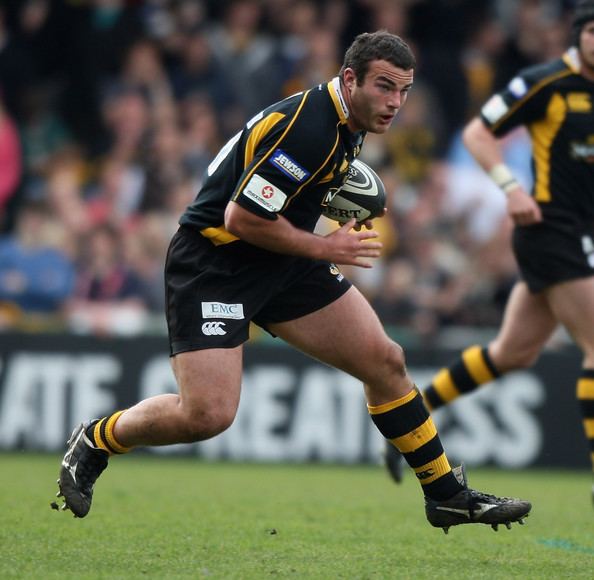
point(279, 235)
point(485, 148)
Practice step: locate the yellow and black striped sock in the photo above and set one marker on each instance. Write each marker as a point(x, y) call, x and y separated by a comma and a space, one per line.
point(101, 434)
point(407, 424)
point(472, 369)
point(585, 395)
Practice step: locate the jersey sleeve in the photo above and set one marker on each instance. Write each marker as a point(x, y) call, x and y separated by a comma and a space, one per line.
point(287, 158)
point(521, 102)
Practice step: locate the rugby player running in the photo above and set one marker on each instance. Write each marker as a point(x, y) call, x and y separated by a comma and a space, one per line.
point(245, 251)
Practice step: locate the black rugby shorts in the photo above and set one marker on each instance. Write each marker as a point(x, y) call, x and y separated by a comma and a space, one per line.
point(213, 292)
point(548, 254)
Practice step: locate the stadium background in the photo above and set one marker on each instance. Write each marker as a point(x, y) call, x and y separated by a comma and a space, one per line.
point(110, 111)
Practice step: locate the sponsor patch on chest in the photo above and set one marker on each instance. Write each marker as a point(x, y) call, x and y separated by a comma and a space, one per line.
point(288, 166)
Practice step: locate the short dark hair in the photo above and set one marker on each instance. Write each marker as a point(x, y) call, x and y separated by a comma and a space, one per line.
point(583, 13)
point(380, 45)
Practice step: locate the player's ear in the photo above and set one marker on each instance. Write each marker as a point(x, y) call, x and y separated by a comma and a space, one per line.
point(349, 78)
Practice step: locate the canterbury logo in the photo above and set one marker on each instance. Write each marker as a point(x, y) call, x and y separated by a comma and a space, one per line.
point(213, 328)
point(425, 474)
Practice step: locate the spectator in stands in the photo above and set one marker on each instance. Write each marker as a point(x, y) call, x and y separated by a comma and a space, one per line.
point(108, 296)
point(126, 115)
point(11, 163)
point(249, 56)
point(36, 276)
point(117, 194)
point(143, 69)
point(44, 137)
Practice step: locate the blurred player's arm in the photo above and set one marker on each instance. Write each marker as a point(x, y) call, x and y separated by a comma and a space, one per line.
point(485, 148)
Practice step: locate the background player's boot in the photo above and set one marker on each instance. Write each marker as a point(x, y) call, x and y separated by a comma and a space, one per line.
point(81, 466)
point(475, 507)
point(395, 463)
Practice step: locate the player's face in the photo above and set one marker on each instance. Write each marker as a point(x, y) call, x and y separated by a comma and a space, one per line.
point(587, 49)
point(374, 104)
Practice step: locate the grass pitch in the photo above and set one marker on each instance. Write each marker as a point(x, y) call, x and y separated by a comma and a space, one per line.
point(182, 518)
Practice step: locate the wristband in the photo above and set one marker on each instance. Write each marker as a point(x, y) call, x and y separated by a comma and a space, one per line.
point(503, 177)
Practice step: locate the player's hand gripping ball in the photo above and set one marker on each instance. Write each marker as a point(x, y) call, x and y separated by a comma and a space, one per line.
point(362, 196)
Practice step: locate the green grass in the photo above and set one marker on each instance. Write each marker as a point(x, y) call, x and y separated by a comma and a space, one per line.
point(183, 518)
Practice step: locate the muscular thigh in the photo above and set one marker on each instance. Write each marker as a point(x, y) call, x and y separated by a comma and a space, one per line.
point(527, 324)
point(345, 334)
point(573, 305)
point(209, 378)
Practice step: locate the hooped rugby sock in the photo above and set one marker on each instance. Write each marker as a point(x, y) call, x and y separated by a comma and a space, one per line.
point(407, 424)
point(473, 369)
point(101, 434)
point(585, 396)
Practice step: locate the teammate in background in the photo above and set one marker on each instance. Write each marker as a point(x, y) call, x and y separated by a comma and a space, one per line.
point(553, 238)
point(245, 251)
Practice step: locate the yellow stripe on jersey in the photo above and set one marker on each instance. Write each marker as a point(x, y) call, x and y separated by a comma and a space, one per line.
point(543, 133)
point(585, 388)
point(543, 83)
point(416, 438)
point(258, 133)
point(589, 428)
point(444, 385)
point(218, 236)
point(476, 366)
point(385, 407)
point(273, 147)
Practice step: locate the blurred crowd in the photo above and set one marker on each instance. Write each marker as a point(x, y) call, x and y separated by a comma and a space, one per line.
point(110, 111)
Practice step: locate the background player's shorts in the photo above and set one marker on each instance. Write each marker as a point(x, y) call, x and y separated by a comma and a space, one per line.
point(548, 254)
point(213, 292)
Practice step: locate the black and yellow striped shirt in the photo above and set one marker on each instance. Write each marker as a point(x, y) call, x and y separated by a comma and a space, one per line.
point(284, 161)
point(555, 103)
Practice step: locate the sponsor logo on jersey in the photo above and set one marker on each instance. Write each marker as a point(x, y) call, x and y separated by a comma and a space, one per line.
point(494, 109)
point(517, 87)
point(222, 310)
point(582, 151)
point(579, 102)
point(288, 166)
point(264, 193)
point(214, 328)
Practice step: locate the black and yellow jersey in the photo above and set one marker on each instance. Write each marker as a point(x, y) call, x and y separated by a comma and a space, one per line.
point(285, 161)
point(555, 103)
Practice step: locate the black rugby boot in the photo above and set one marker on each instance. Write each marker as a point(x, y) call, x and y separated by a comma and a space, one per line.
point(469, 506)
point(83, 463)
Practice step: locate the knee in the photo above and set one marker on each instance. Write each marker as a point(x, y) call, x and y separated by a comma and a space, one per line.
point(206, 422)
point(390, 361)
point(519, 358)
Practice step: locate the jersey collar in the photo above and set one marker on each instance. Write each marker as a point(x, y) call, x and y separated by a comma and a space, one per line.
point(338, 100)
point(572, 60)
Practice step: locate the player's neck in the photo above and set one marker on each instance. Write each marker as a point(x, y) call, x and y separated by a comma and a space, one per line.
point(346, 95)
point(587, 71)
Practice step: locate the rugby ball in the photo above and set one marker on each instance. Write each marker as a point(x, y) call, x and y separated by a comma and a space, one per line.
point(362, 196)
